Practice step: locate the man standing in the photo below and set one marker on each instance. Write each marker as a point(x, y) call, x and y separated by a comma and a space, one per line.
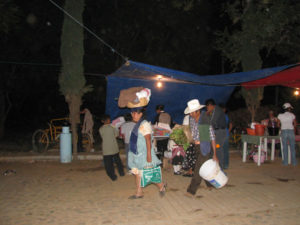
point(88, 123)
point(215, 117)
point(204, 138)
point(162, 116)
point(226, 143)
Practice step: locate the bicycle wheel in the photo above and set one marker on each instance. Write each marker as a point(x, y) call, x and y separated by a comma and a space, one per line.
point(40, 141)
point(86, 142)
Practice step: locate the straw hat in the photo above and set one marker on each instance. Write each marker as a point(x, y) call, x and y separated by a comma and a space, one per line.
point(193, 105)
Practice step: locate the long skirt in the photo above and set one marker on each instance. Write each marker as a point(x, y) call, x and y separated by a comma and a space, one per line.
point(190, 159)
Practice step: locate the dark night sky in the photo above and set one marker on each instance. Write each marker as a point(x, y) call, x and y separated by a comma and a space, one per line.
point(152, 32)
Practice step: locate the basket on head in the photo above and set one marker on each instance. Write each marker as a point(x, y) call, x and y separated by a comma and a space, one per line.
point(134, 97)
point(141, 103)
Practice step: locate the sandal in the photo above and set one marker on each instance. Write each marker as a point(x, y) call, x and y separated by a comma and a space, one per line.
point(188, 175)
point(135, 197)
point(162, 192)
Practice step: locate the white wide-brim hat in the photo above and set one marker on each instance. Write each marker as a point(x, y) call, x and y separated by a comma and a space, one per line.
point(193, 106)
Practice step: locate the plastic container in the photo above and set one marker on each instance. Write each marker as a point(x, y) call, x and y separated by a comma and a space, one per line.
point(211, 171)
point(259, 130)
point(250, 131)
point(65, 146)
point(65, 130)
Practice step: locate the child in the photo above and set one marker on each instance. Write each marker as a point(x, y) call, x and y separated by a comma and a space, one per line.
point(110, 148)
point(125, 131)
point(177, 157)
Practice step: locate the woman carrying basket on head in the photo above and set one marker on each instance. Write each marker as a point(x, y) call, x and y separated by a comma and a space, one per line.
point(141, 152)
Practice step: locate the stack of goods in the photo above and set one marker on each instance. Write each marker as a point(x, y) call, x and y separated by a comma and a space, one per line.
point(118, 122)
point(161, 132)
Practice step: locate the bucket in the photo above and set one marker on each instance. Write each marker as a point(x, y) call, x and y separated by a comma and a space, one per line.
point(259, 130)
point(250, 131)
point(211, 171)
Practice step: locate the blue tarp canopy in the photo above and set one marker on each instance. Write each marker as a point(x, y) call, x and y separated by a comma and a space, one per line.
point(178, 87)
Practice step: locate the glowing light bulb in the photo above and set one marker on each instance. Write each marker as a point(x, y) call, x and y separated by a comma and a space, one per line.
point(296, 92)
point(159, 84)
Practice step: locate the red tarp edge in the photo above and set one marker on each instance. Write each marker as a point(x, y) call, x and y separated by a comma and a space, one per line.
point(289, 77)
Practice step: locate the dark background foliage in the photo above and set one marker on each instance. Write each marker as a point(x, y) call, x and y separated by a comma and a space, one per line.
point(176, 34)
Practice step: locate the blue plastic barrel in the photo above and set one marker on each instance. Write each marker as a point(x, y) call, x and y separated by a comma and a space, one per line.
point(65, 145)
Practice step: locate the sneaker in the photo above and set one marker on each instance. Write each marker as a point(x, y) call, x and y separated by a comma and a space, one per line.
point(177, 173)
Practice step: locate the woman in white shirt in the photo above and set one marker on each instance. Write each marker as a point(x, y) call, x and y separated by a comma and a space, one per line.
point(288, 124)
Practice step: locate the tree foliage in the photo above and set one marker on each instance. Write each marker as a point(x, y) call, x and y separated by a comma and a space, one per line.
point(253, 98)
point(257, 29)
point(71, 80)
point(9, 16)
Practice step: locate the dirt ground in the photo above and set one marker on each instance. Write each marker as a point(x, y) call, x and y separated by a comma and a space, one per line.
point(81, 193)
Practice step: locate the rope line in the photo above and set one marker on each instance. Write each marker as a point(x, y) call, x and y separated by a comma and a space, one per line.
point(140, 78)
point(29, 63)
point(87, 29)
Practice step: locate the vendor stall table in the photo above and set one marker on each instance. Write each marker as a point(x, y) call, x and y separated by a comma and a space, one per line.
point(165, 161)
point(259, 140)
point(158, 138)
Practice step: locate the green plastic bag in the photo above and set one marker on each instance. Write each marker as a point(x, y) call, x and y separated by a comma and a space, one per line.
point(150, 175)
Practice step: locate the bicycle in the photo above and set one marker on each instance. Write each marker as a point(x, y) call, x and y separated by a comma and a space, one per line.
point(43, 138)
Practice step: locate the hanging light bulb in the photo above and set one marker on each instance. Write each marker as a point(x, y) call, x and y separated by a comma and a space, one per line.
point(296, 92)
point(159, 84)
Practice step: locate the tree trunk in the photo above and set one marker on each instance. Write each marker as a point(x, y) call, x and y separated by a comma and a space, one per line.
point(71, 80)
point(2, 115)
point(2, 127)
point(5, 106)
point(74, 103)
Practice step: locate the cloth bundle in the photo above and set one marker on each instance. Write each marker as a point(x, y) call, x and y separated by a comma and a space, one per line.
point(134, 97)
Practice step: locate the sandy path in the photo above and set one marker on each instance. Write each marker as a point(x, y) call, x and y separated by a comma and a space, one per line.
point(81, 193)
